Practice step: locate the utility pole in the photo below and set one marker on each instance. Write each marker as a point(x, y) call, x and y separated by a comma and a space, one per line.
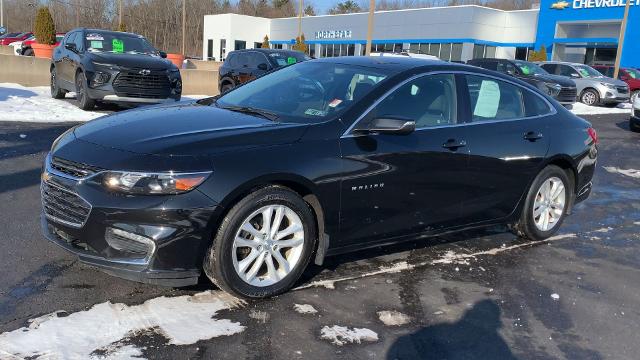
point(623, 30)
point(300, 14)
point(184, 25)
point(119, 13)
point(77, 13)
point(1, 13)
point(372, 9)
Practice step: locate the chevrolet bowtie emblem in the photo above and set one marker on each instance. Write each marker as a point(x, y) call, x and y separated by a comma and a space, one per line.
point(560, 5)
point(144, 72)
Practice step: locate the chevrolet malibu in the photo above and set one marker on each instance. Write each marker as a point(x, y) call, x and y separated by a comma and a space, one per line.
point(319, 158)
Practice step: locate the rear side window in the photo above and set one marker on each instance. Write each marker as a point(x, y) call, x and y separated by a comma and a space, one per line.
point(550, 68)
point(489, 65)
point(566, 70)
point(254, 59)
point(493, 99)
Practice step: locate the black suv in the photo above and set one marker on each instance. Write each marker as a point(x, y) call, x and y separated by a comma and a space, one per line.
point(110, 66)
point(560, 88)
point(245, 65)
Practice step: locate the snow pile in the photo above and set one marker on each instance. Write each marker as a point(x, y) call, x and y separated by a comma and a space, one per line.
point(105, 328)
point(393, 318)
point(341, 335)
point(304, 309)
point(19, 103)
point(627, 172)
point(582, 109)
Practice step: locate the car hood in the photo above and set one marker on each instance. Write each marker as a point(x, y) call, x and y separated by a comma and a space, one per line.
point(608, 80)
point(186, 129)
point(151, 62)
point(562, 80)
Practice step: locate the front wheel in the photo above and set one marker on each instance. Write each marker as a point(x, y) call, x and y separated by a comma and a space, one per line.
point(546, 204)
point(56, 92)
point(590, 97)
point(263, 244)
point(82, 94)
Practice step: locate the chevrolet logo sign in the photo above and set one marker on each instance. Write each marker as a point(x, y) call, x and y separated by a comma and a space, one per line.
point(144, 72)
point(560, 5)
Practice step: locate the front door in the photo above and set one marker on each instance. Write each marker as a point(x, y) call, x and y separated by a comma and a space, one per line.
point(398, 185)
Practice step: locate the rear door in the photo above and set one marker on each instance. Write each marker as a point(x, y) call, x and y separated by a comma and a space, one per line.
point(397, 185)
point(507, 141)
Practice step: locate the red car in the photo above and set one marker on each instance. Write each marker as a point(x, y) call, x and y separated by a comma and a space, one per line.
point(26, 49)
point(9, 39)
point(629, 75)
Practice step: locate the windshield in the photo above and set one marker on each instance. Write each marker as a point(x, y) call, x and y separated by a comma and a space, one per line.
point(288, 58)
point(118, 43)
point(306, 92)
point(528, 68)
point(588, 72)
point(633, 73)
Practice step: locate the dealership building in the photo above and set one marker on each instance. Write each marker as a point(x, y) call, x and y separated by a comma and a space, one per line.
point(585, 31)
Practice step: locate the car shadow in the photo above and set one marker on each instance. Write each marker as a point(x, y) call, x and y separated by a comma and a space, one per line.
point(624, 125)
point(5, 93)
point(474, 336)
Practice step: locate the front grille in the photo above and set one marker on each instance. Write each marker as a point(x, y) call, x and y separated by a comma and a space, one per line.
point(133, 84)
point(75, 169)
point(64, 206)
point(623, 89)
point(567, 94)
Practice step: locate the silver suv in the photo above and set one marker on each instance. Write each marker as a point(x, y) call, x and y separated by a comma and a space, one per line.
point(593, 87)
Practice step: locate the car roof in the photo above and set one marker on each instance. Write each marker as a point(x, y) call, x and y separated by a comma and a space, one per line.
point(399, 63)
point(102, 31)
point(268, 51)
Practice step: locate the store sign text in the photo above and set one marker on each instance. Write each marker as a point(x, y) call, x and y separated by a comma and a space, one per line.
point(591, 4)
point(333, 34)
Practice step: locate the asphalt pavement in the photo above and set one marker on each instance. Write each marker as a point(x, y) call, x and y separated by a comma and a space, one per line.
point(475, 295)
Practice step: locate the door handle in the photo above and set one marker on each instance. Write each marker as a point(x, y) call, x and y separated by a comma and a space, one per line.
point(533, 136)
point(453, 144)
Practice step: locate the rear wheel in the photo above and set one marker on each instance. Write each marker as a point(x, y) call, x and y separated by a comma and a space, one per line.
point(590, 97)
point(546, 204)
point(82, 94)
point(28, 52)
point(263, 244)
point(56, 92)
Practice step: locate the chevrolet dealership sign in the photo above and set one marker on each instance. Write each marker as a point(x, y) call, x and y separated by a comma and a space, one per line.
point(593, 4)
point(334, 34)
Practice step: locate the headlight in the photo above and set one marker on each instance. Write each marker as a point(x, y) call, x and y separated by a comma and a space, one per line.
point(553, 89)
point(152, 183)
point(610, 86)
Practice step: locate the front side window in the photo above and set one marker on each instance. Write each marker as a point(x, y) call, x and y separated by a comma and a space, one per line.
point(429, 101)
point(493, 99)
point(306, 92)
point(566, 70)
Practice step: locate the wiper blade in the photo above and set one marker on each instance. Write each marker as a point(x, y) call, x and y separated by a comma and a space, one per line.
point(249, 110)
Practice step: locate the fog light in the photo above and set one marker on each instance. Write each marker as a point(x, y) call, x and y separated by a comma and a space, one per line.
point(129, 242)
point(100, 78)
point(609, 94)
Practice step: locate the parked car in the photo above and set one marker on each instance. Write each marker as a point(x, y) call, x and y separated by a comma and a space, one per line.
point(629, 75)
point(634, 121)
point(13, 37)
point(17, 45)
point(561, 89)
point(315, 159)
point(406, 54)
point(593, 87)
point(110, 66)
point(25, 46)
point(245, 65)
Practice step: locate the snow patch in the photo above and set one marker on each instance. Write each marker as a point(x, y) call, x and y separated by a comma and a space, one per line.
point(304, 309)
point(555, 296)
point(393, 318)
point(341, 335)
point(626, 172)
point(450, 257)
point(582, 109)
point(181, 320)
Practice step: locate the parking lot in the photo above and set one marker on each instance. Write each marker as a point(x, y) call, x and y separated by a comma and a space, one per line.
point(482, 294)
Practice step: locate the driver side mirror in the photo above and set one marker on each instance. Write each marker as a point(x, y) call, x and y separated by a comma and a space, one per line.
point(71, 47)
point(389, 126)
point(263, 66)
point(163, 54)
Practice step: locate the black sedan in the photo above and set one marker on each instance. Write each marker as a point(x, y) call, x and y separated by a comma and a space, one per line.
point(319, 158)
point(110, 66)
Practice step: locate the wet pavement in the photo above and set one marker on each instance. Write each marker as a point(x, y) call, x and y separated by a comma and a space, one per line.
point(475, 295)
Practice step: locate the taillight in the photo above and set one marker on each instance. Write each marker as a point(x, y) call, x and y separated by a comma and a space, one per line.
point(593, 135)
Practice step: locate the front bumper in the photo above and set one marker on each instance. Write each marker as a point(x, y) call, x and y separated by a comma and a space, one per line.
point(176, 227)
point(610, 96)
point(125, 85)
point(634, 121)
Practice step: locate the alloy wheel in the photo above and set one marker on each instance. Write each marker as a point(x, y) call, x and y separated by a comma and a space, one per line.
point(53, 82)
point(268, 245)
point(589, 98)
point(80, 89)
point(549, 204)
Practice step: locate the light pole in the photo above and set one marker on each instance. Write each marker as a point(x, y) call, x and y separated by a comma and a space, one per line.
point(623, 30)
point(184, 25)
point(1, 13)
point(372, 9)
point(300, 12)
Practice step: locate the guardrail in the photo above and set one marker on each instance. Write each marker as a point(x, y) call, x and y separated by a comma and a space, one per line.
point(33, 71)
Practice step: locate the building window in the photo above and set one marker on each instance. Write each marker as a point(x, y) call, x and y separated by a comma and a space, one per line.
point(223, 49)
point(257, 45)
point(209, 49)
point(240, 45)
point(276, 46)
point(484, 51)
point(456, 52)
point(332, 50)
point(522, 53)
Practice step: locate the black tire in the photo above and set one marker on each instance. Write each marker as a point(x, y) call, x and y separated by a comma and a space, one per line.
point(633, 126)
point(56, 92)
point(525, 227)
point(28, 52)
point(226, 87)
point(82, 95)
point(590, 97)
point(218, 262)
